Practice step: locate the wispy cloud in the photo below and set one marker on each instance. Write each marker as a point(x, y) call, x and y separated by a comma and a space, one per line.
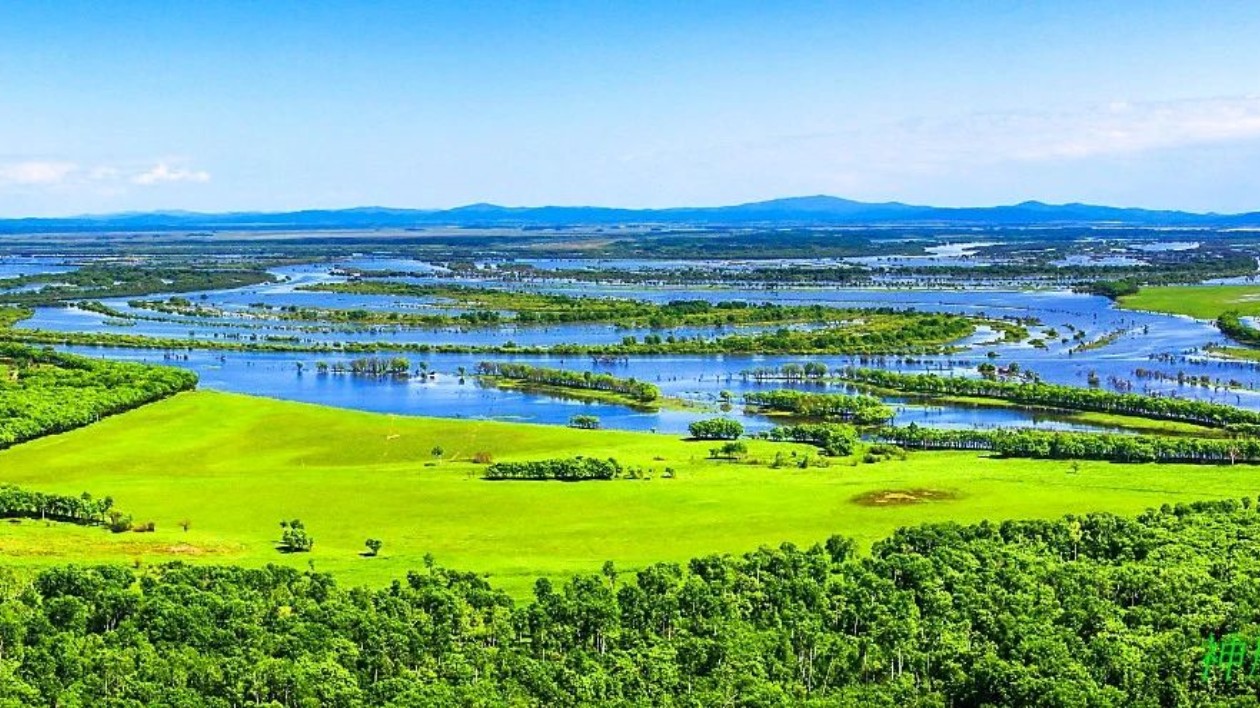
point(36, 172)
point(65, 175)
point(163, 173)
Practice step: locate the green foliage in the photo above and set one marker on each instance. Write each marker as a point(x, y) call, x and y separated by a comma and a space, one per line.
point(1186, 410)
point(1112, 289)
point(732, 450)
point(1091, 610)
point(44, 392)
point(584, 380)
point(294, 538)
point(374, 546)
point(1057, 445)
point(835, 439)
point(1231, 325)
point(863, 410)
point(16, 502)
point(573, 469)
point(716, 429)
point(584, 422)
point(106, 281)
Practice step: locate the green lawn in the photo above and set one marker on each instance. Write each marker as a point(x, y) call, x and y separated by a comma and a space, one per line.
point(1205, 302)
point(234, 466)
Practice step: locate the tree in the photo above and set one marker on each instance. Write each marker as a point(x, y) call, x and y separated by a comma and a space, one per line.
point(294, 538)
point(437, 451)
point(584, 422)
point(374, 546)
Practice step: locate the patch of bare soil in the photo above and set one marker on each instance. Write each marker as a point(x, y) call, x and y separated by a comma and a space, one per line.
point(901, 497)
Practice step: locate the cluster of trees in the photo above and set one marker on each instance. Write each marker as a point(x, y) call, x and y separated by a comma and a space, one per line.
point(863, 410)
point(835, 439)
point(1057, 396)
point(584, 422)
point(44, 392)
point(1085, 610)
point(716, 429)
point(1113, 289)
point(1231, 325)
point(16, 502)
point(584, 380)
point(368, 366)
point(1058, 445)
point(294, 537)
point(810, 370)
point(572, 469)
point(113, 281)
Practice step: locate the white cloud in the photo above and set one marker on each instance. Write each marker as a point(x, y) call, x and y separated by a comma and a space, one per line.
point(162, 173)
point(36, 173)
point(66, 176)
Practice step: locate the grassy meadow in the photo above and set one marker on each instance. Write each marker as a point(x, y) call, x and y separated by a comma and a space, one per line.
point(233, 466)
point(1204, 302)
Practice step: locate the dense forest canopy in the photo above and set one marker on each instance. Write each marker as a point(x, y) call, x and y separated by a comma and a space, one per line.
point(42, 391)
point(1090, 610)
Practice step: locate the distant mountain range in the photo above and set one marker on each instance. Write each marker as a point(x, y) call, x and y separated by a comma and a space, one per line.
point(794, 211)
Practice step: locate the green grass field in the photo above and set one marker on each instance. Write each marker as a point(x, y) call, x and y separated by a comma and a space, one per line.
point(234, 466)
point(1205, 302)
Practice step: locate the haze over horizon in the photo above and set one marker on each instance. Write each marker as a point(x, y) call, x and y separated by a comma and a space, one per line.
point(144, 106)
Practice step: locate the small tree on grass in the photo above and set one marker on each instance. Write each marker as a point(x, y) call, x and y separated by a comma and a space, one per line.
point(294, 538)
point(437, 451)
point(374, 546)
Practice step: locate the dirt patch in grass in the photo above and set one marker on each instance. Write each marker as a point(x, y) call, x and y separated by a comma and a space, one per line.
point(901, 497)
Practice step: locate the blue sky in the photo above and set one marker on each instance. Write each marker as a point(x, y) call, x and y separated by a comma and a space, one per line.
point(220, 106)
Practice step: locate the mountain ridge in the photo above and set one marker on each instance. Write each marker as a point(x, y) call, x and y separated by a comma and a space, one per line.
point(812, 210)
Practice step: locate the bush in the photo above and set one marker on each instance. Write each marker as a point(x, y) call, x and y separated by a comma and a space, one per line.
point(732, 450)
point(482, 458)
point(119, 522)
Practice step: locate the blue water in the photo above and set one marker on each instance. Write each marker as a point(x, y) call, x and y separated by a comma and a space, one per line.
point(1147, 341)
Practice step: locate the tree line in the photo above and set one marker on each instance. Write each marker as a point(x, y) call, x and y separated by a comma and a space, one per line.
point(863, 410)
point(584, 380)
point(1058, 396)
point(44, 392)
point(16, 503)
point(572, 469)
point(1095, 609)
point(1061, 445)
point(835, 439)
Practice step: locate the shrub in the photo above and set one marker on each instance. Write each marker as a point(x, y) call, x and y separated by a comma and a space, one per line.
point(483, 457)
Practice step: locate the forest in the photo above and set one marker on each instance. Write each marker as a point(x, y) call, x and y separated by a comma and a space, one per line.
point(43, 392)
point(1084, 610)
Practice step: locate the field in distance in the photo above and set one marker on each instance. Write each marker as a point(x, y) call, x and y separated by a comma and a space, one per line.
point(234, 466)
point(1204, 302)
